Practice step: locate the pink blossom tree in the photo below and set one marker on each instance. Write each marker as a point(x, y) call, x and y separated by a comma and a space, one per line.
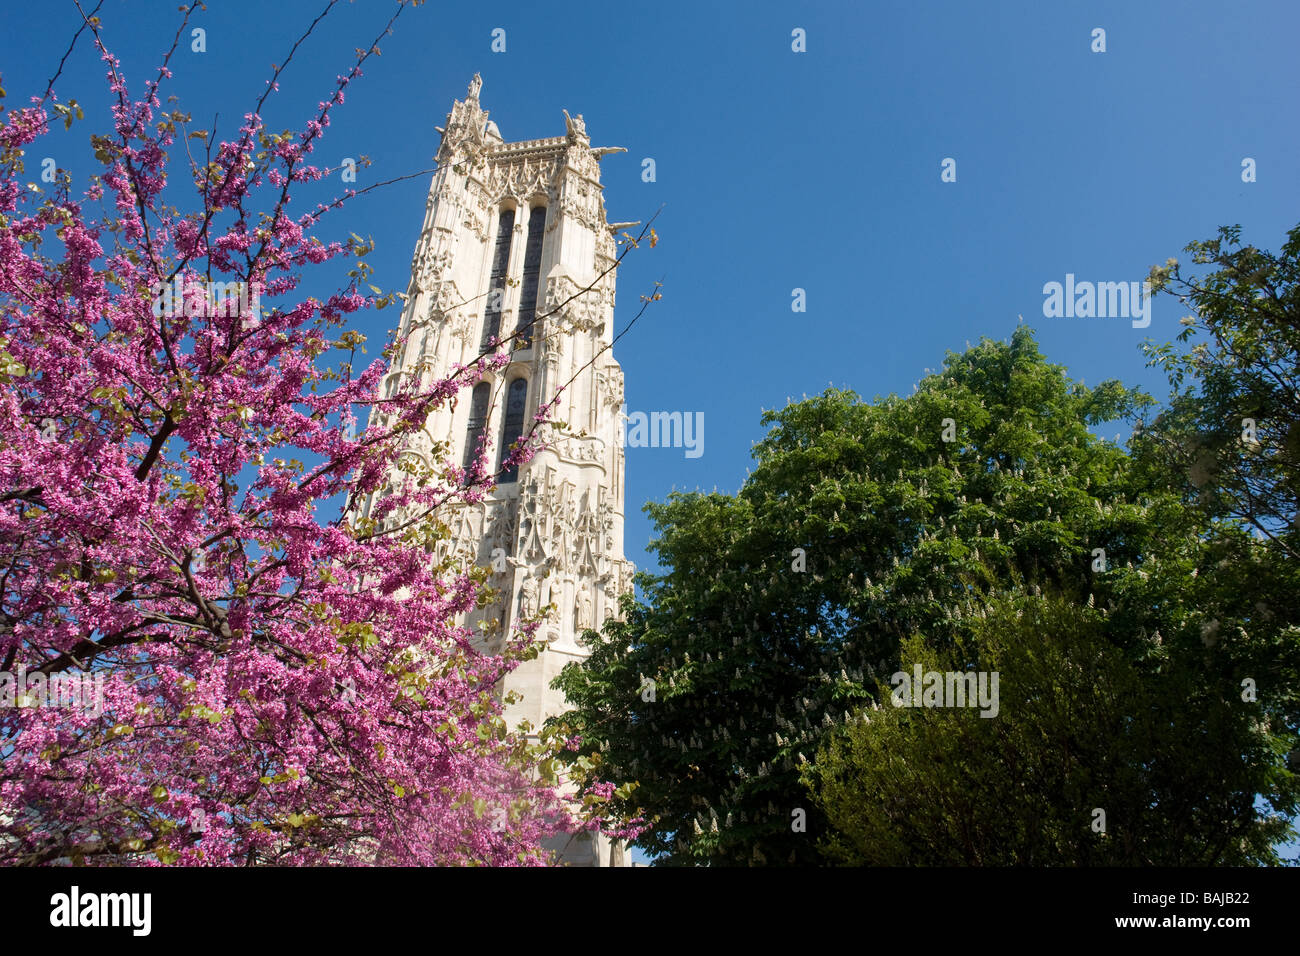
point(276, 681)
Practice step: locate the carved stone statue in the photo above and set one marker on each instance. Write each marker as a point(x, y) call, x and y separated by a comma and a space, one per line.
point(528, 598)
point(475, 85)
point(553, 606)
point(577, 127)
point(584, 618)
point(611, 597)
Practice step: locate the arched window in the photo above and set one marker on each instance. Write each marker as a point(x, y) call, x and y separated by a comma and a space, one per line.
point(478, 410)
point(497, 283)
point(516, 405)
point(532, 266)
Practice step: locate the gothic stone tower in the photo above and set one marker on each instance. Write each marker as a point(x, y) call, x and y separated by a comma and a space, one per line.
point(513, 231)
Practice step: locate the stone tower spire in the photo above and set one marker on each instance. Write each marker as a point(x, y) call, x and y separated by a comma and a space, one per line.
point(512, 233)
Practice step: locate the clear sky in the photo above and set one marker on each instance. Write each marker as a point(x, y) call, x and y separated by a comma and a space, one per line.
point(778, 170)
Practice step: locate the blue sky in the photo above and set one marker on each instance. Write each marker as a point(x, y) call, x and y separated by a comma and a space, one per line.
point(780, 170)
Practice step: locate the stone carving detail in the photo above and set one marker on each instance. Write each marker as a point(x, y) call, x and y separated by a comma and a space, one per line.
point(581, 208)
point(477, 223)
point(606, 249)
point(433, 255)
point(610, 588)
point(535, 525)
point(441, 298)
point(465, 524)
point(553, 596)
point(583, 619)
point(522, 179)
point(610, 382)
point(500, 531)
point(582, 314)
point(577, 129)
point(567, 530)
point(607, 519)
point(528, 598)
point(478, 529)
point(579, 450)
point(464, 132)
point(462, 325)
point(430, 265)
point(588, 548)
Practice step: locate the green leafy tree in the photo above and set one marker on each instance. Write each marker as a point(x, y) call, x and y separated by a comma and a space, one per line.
point(1228, 441)
point(1231, 431)
point(1093, 756)
point(779, 607)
